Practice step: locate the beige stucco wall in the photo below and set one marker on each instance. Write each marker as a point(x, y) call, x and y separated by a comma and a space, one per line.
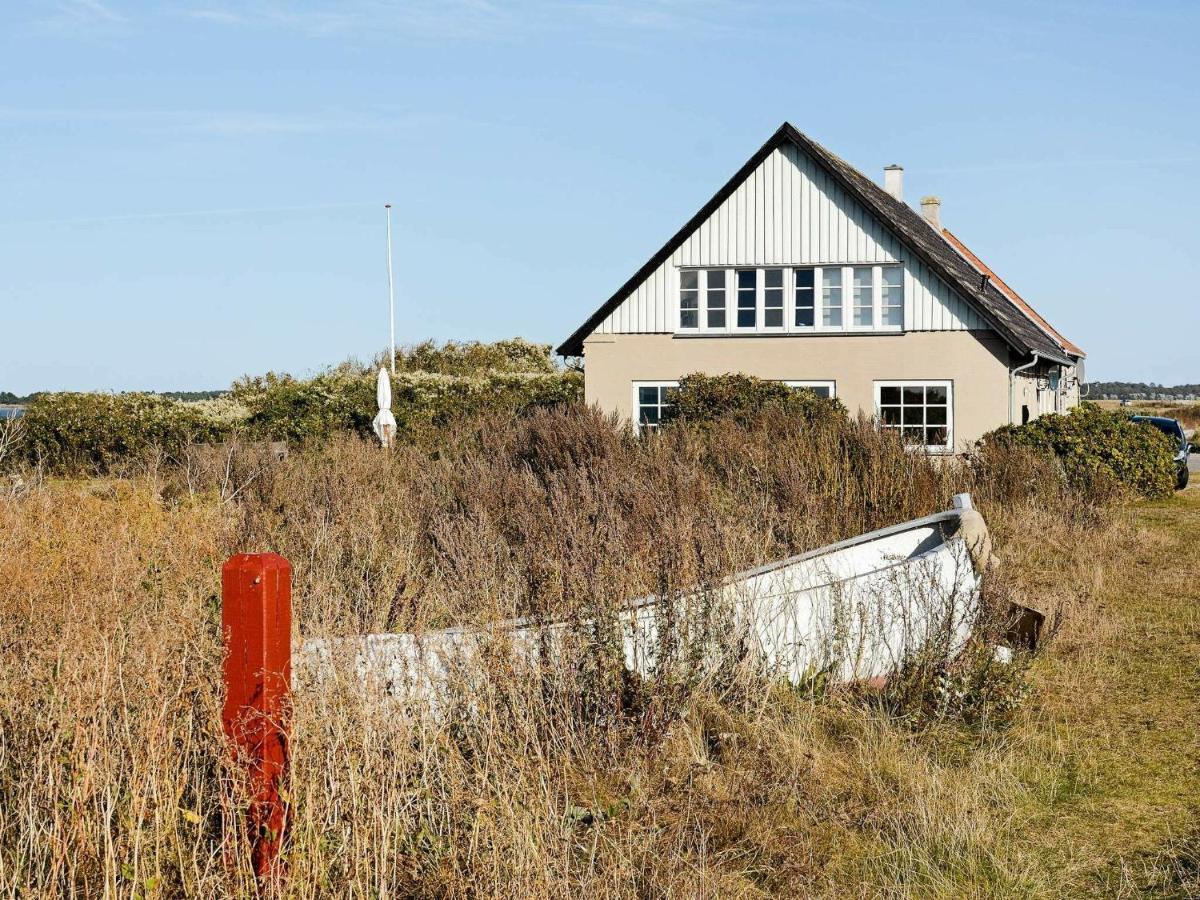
point(976, 362)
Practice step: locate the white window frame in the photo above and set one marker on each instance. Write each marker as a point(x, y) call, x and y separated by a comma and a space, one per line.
point(832, 385)
point(790, 305)
point(700, 311)
point(842, 293)
point(784, 285)
point(948, 384)
point(789, 325)
point(737, 300)
point(879, 305)
point(850, 307)
point(636, 404)
point(704, 326)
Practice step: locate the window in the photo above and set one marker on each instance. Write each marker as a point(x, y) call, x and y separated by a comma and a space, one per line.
point(921, 411)
point(773, 298)
point(714, 298)
point(781, 300)
point(826, 389)
point(689, 299)
point(806, 301)
point(747, 298)
point(892, 301)
point(864, 297)
point(831, 298)
point(650, 400)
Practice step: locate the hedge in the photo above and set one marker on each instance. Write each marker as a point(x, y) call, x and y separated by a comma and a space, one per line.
point(1100, 451)
point(74, 432)
point(702, 399)
point(284, 408)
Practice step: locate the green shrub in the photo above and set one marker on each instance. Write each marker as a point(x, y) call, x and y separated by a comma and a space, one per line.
point(436, 386)
point(703, 399)
point(1100, 452)
point(285, 408)
point(80, 432)
point(515, 356)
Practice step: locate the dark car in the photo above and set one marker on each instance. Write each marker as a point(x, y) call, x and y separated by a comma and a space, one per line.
point(1172, 429)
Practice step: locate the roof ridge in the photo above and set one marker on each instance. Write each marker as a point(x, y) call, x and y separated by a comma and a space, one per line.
point(999, 310)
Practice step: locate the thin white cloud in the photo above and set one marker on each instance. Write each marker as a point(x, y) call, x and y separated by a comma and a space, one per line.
point(252, 123)
point(218, 123)
point(217, 16)
point(82, 18)
point(193, 213)
point(1023, 165)
point(479, 19)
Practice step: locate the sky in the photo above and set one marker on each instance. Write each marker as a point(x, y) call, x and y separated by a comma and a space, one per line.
point(194, 191)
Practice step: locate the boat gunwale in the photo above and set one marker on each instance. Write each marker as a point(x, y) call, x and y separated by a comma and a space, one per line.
point(639, 604)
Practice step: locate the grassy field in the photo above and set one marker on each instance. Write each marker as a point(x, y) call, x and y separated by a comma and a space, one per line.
point(1110, 752)
point(1187, 412)
point(1074, 773)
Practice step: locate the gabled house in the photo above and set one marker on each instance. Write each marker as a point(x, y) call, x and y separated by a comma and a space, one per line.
point(803, 270)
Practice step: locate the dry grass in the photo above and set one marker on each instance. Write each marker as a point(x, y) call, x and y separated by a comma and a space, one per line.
point(113, 779)
point(1187, 412)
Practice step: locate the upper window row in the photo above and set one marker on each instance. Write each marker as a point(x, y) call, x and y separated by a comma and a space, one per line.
point(817, 298)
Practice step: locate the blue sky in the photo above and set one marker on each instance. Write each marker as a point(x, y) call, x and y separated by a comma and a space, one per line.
point(192, 191)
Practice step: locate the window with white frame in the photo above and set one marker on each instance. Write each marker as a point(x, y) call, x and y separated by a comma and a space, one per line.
point(891, 300)
point(650, 400)
point(863, 295)
point(773, 298)
point(922, 411)
point(826, 389)
point(806, 298)
point(714, 298)
point(791, 300)
point(689, 299)
point(831, 297)
point(747, 298)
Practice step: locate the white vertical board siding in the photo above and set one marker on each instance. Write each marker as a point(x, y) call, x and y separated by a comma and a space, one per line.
point(790, 212)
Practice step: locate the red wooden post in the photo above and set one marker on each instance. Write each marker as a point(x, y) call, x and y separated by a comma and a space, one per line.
point(256, 619)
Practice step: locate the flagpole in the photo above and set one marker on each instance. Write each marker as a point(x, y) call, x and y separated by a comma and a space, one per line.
point(391, 290)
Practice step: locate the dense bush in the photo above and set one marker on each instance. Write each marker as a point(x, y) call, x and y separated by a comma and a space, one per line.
point(702, 399)
point(76, 432)
point(514, 356)
point(343, 400)
point(1099, 451)
point(282, 407)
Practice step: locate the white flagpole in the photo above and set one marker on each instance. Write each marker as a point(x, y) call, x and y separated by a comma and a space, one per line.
point(391, 290)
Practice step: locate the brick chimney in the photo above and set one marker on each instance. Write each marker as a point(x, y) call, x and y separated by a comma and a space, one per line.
point(893, 181)
point(931, 209)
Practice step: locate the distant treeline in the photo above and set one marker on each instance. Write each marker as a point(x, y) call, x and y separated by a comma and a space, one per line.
point(1138, 390)
point(8, 397)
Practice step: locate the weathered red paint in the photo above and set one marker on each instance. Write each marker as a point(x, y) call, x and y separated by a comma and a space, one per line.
point(256, 619)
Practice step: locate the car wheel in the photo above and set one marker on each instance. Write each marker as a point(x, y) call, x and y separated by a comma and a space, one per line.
point(1182, 481)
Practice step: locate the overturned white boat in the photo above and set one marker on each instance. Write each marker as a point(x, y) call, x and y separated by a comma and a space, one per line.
point(855, 610)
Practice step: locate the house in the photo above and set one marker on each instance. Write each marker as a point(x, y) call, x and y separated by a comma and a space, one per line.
point(803, 270)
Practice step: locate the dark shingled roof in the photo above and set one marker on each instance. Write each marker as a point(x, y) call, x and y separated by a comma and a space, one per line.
point(905, 223)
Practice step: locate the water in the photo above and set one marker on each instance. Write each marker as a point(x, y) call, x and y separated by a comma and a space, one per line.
point(11, 412)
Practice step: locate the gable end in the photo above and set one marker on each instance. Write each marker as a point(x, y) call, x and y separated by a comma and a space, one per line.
point(896, 219)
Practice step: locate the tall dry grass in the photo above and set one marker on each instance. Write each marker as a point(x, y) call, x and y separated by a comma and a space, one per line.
point(113, 771)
